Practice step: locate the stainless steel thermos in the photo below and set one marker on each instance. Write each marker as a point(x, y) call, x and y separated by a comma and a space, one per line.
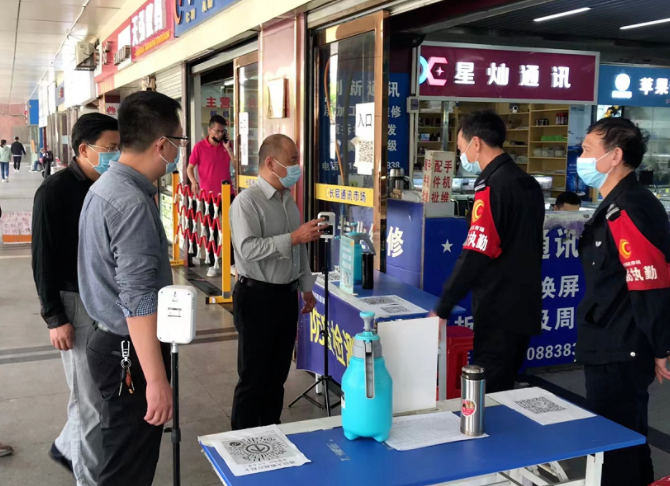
point(473, 386)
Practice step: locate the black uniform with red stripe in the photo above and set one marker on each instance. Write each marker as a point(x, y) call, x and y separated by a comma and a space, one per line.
point(501, 263)
point(624, 319)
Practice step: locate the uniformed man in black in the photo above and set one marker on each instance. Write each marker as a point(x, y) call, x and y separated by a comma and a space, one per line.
point(624, 319)
point(501, 260)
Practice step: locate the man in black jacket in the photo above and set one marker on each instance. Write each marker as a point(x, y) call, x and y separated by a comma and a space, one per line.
point(623, 328)
point(501, 262)
point(17, 152)
point(58, 203)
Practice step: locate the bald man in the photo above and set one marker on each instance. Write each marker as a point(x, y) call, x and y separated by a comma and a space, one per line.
point(271, 258)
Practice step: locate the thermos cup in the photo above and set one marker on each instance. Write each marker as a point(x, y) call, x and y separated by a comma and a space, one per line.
point(473, 385)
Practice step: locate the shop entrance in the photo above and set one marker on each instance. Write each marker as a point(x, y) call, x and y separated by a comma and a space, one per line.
point(350, 128)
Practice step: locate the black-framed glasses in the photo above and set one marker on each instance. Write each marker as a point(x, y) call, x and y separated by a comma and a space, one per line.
point(181, 141)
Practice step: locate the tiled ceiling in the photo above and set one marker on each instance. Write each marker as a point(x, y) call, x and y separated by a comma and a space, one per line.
point(603, 21)
point(34, 36)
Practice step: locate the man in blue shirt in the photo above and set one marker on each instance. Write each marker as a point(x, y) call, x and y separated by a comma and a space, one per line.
point(123, 263)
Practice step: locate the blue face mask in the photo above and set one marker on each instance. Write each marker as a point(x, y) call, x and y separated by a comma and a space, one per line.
point(293, 174)
point(588, 172)
point(472, 167)
point(170, 167)
point(104, 158)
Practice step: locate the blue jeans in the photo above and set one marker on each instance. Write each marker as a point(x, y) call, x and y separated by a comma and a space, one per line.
point(4, 169)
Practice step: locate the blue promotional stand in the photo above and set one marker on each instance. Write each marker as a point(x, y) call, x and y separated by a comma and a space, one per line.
point(423, 249)
point(344, 321)
point(514, 442)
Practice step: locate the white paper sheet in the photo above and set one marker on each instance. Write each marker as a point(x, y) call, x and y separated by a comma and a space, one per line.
point(410, 352)
point(257, 450)
point(390, 305)
point(541, 406)
point(417, 431)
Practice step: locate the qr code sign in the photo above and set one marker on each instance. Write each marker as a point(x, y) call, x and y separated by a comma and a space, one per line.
point(258, 449)
point(378, 300)
point(366, 151)
point(539, 405)
point(395, 309)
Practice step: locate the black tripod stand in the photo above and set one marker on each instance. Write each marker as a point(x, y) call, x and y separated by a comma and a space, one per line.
point(175, 431)
point(325, 379)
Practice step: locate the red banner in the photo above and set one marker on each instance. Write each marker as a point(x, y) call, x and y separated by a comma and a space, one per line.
point(492, 73)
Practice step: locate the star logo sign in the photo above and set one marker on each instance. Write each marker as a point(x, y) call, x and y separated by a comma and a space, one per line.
point(446, 247)
point(428, 72)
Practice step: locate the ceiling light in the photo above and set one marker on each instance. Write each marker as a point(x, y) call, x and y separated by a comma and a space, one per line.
point(644, 24)
point(564, 14)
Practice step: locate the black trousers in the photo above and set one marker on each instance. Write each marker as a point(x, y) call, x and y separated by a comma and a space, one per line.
point(501, 353)
point(619, 392)
point(130, 445)
point(266, 321)
point(17, 163)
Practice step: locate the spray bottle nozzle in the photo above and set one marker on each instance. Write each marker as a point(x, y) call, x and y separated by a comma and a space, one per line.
point(367, 317)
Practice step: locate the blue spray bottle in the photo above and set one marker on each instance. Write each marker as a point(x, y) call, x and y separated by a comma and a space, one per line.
point(367, 401)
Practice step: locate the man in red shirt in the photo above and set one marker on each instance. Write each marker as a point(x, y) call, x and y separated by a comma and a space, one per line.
point(212, 156)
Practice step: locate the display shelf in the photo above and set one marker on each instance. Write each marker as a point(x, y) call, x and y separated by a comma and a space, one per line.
point(550, 141)
point(431, 141)
point(548, 110)
point(515, 146)
point(549, 126)
point(517, 113)
point(547, 158)
point(517, 129)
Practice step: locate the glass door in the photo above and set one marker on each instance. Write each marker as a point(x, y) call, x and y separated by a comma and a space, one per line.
point(350, 128)
point(247, 123)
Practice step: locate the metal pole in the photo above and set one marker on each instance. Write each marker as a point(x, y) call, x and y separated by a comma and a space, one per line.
point(176, 433)
point(326, 397)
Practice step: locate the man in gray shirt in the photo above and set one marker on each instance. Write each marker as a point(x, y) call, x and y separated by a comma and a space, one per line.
point(271, 259)
point(123, 263)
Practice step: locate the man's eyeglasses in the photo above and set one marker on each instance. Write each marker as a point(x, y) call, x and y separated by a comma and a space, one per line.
point(105, 149)
point(180, 141)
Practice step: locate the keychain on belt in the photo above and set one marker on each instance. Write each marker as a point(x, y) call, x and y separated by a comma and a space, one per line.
point(126, 377)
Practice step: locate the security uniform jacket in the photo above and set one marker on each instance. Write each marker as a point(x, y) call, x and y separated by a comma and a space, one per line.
point(625, 250)
point(501, 260)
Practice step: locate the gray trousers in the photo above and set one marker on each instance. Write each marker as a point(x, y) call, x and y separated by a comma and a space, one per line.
point(81, 440)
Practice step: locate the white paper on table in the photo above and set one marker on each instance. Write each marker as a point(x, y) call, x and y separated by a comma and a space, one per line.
point(417, 431)
point(390, 305)
point(539, 405)
point(256, 450)
point(410, 352)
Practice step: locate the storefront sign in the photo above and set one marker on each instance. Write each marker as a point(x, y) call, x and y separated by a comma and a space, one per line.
point(60, 93)
point(357, 196)
point(151, 26)
point(246, 181)
point(484, 73)
point(189, 13)
point(398, 122)
point(166, 216)
point(244, 137)
point(147, 29)
point(634, 86)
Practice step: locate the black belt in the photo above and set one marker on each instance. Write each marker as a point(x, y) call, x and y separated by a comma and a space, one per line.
point(257, 284)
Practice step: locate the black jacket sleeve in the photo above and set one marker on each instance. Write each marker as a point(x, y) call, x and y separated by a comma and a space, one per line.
point(482, 245)
point(643, 241)
point(23, 150)
point(46, 254)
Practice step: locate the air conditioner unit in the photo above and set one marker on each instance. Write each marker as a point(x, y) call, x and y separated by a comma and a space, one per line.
point(84, 56)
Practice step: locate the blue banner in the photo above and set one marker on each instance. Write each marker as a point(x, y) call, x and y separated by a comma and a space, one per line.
point(633, 86)
point(344, 322)
point(398, 128)
point(189, 13)
point(403, 241)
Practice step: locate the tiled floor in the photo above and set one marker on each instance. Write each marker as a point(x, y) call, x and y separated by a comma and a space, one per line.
point(33, 393)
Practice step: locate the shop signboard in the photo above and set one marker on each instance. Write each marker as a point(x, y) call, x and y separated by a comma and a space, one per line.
point(495, 73)
point(144, 31)
point(60, 93)
point(634, 86)
point(189, 13)
point(398, 127)
point(563, 283)
point(150, 26)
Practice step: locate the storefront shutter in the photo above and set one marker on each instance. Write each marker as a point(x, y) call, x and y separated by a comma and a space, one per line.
point(168, 82)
